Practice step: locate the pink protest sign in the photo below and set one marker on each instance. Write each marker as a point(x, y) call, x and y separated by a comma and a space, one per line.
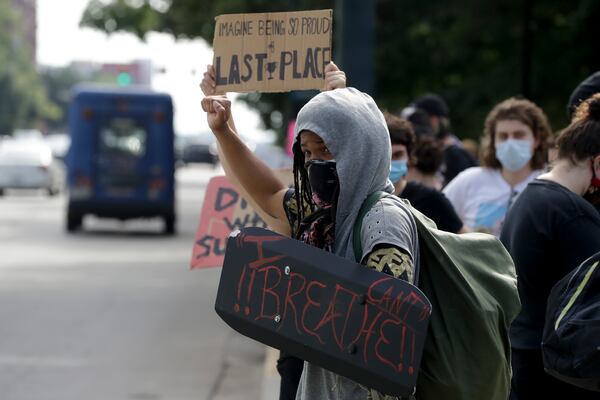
point(224, 210)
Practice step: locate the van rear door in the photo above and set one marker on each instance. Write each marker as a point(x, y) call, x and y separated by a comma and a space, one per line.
point(122, 158)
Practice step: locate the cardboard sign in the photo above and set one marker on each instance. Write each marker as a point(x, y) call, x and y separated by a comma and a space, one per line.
point(224, 210)
point(331, 311)
point(272, 52)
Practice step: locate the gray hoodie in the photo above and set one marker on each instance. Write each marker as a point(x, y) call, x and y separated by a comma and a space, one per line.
point(355, 132)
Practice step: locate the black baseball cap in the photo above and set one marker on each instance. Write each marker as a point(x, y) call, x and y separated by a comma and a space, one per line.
point(585, 90)
point(432, 104)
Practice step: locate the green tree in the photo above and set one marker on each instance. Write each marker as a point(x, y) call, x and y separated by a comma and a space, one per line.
point(58, 82)
point(23, 98)
point(195, 19)
point(474, 53)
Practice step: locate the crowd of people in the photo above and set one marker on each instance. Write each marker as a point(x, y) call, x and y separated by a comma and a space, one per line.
point(532, 188)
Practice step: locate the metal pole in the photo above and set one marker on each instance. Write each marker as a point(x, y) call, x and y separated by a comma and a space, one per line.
point(354, 24)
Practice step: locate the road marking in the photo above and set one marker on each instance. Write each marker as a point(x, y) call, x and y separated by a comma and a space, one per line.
point(41, 361)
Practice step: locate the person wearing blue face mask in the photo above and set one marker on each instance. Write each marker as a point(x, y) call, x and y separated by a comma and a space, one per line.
point(516, 137)
point(398, 169)
point(429, 201)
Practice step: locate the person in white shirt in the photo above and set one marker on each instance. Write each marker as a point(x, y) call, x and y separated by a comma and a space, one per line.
point(516, 136)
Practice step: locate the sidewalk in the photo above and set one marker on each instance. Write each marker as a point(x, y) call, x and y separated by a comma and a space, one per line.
point(241, 371)
point(270, 381)
point(248, 371)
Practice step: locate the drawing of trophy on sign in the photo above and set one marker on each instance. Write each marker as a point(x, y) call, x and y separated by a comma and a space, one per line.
point(271, 66)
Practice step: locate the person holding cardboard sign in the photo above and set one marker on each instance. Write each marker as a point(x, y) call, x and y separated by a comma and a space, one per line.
point(341, 155)
point(334, 78)
point(289, 367)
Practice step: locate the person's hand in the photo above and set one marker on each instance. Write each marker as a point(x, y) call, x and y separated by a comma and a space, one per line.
point(334, 77)
point(218, 112)
point(209, 84)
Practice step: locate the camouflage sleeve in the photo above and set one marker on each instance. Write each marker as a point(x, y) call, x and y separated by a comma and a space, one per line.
point(290, 206)
point(291, 209)
point(391, 260)
point(375, 395)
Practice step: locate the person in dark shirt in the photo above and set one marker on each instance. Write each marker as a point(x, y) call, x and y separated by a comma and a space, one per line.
point(426, 159)
point(549, 231)
point(586, 88)
point(456, 158)
point(429, 201)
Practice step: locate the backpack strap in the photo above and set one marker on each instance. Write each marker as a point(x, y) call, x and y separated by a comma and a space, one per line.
point(364, 209)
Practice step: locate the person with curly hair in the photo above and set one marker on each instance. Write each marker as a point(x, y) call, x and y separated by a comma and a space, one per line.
point(516, 133)
point(549, 231)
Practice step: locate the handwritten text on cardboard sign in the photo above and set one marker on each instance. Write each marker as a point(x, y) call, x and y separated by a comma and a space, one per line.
point(272, 52)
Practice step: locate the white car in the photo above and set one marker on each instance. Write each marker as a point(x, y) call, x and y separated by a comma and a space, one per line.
point(28, 164)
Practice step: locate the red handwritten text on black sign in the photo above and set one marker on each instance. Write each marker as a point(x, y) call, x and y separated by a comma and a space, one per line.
point(332, 314)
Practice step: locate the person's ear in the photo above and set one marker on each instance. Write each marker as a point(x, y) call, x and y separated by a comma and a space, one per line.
point(596, 165)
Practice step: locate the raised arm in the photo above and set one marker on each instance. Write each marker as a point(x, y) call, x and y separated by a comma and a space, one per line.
point(208, 87)
point(253, 178)
point(257, 179)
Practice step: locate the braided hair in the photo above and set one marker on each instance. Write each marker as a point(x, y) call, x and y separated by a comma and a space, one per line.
point(302, 191)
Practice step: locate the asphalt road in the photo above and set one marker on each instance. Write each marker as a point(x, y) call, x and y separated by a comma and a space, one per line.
point(114, 312)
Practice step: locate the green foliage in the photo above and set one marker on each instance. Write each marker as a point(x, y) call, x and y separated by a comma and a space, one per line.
point(58, 83)
point(23, 98)
point(192, 19)
point(182, 18)
point(121, 15)
point(469, 51)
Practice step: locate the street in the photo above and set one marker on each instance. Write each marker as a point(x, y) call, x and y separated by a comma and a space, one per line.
point(113, 312)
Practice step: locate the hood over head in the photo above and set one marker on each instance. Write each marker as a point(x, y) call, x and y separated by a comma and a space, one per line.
point(354, 130)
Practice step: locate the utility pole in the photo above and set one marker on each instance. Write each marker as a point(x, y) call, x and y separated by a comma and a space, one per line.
point(354, 51)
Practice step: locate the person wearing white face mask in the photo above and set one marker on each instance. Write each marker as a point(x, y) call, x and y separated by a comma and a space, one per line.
point(516, 136)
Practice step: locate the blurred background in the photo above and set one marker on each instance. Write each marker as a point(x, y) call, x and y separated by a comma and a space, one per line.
point(96, 300)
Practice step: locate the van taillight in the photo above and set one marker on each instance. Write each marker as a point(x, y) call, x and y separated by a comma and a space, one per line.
point(157, 184)
point(83, 180)
point(156, 187)
point(159, 116)
point(87, 113)
point(82, 187)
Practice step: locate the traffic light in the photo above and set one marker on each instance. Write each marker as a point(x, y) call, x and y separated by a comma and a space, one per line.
point(123, 74)
point(124, 78)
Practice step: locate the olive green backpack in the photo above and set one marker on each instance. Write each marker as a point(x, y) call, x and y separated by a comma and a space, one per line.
point(471, 283)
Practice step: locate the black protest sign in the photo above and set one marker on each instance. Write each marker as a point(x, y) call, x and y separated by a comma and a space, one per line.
point(357, 322)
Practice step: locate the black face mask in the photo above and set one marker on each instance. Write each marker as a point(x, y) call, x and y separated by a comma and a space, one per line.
point(593, 193)
point(324, 182)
